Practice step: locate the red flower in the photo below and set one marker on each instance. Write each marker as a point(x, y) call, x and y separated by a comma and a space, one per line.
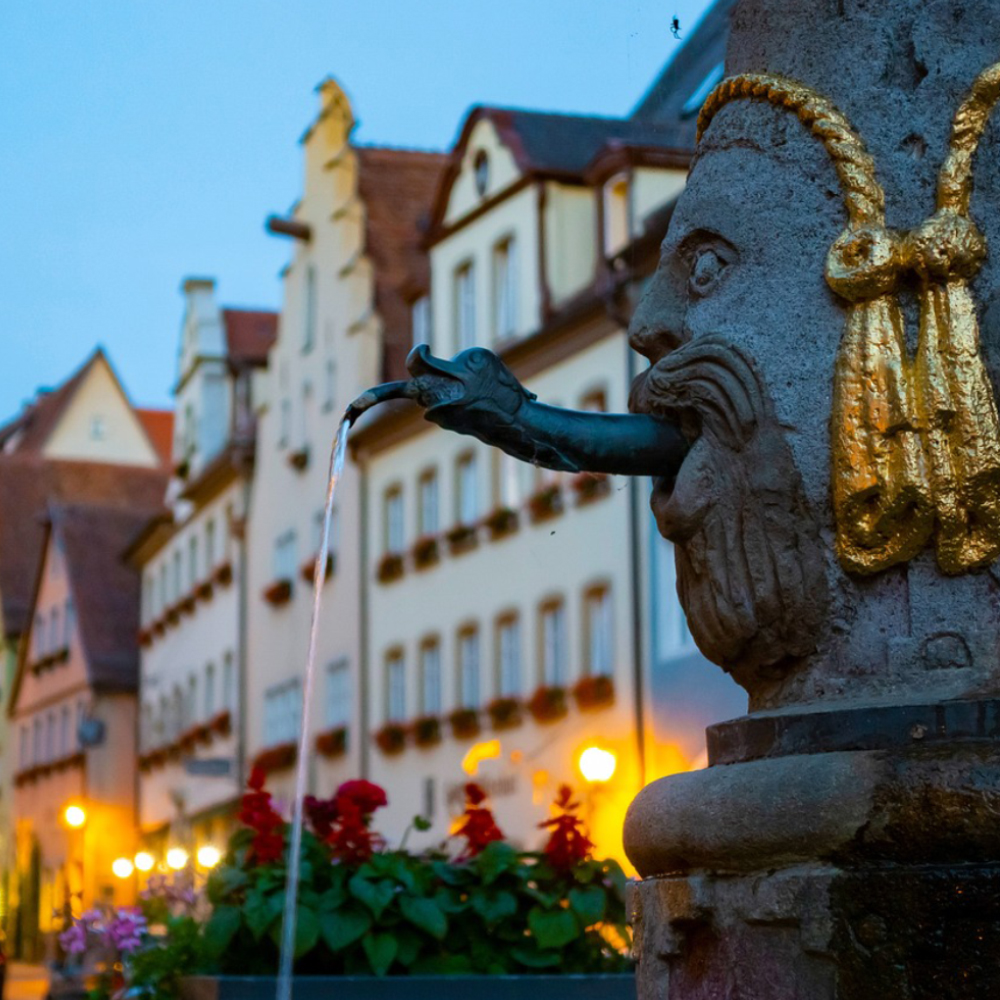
point(257, 812)
point(567, 843)
point(343, 821)
point(322, 814)
point(364, 794)
point(478, 825)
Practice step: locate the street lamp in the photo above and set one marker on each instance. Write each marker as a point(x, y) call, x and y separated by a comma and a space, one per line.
point(597, 765)
point(75, 816)
point(122, 867)
point(144, 861)
point(209, 856)
point(177, 858)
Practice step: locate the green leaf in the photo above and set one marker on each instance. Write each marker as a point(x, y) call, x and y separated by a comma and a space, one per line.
point(332, 899)
point(448, 872)
point(552, 928)
point(421, 824)
point(344, 927)
point(449, 900)
point(221, 929)
point(536, 959)
point(381, 950)
point(375, 895)
point(306, 931)
point(588, 903)
point(261, 912)
point(425, 914)
point(495, 859)
point(408, 945)
point(494, 906)
point(226, 879)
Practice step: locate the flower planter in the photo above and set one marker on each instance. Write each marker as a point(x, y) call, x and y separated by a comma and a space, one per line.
point(299, 460)
point(505, 713)
point(222, 722)
point(391, 738)
point(501, 523)
point(594, 692)
point(308, 569)
point(390, 567)
point(332, 743)
point(548, 704)
point(223, 574)
point(590, 486)
point(546, 504)
point(278, 593)
point(570, 987)
point(145, 637)
point(426, 552)
point(426, 731)
point(187, 604)
point(158, 627)
point(204, 590)
point(277, 758)
point(462, 538)
point(173, 615)
point(464, 723)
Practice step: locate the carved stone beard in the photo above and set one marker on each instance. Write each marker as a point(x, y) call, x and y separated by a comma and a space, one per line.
point(750, 564)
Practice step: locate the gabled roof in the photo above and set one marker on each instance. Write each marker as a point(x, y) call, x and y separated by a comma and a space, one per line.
point(396, 186)
point(250, 334)
point(159, 428)
point(28, 486)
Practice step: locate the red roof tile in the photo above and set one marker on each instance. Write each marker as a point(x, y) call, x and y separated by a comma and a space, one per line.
point(159, 427)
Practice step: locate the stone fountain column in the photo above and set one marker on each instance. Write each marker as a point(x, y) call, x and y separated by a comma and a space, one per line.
point(825, 322)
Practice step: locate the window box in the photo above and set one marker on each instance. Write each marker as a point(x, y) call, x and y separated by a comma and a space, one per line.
point(594, 692)
point(222, 722)
point(145, 636)
point(203, 733)
point(182, 468)
point(426, 731)
point(187, 604)
point(223, 574)
point(159, 627)
point(204, 590)
point(390, 567)
point(61, 655)
point(462, 538)
point(502, 522)
point(464, 723)
point(391, 738)
point(145, 765)
point(173, 615)
point(426, 551)
point(187, 740)
point(590, 486)
point(279, 757)
point(157, 758)
point(332, 743)
point(308, 569)
point(548, 704)
point(278, 593)
point(173, 751)
point(39, 665)
point(505, 713)
point(546, 503)
point(299, 460)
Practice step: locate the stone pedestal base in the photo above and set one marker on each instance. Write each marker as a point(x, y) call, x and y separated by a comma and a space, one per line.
point(882, 933)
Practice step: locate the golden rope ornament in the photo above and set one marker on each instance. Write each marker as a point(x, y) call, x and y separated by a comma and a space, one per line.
point(914, 442)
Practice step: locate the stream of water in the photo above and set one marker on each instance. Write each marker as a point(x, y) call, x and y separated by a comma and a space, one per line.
point(287, 959)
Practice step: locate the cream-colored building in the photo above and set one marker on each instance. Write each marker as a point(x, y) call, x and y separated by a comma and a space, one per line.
point(343, 326)
point(503, 639)
point(192, 560)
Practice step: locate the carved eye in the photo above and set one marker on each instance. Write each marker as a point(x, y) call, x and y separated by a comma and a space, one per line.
point(478, 358)
point(707, 267)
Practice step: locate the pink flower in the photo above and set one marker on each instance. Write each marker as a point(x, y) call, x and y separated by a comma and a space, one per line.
point(74, 939)
point(126, 929)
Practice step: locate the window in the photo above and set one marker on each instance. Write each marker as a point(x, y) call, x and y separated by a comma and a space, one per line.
point(395, 687)
point(228, 683)
point(505, 289)
point(338, 694)
point(509, 656)
point(193, 562)
point(210, 544)
point(599, 634)
point(317, 531)
point(481, 172)
point(616, 215)
point(54, 634)
point(428, 503)
point(329, 384)
point(282, 713)
point(64, 734)
point(430, 677)
point(39, 635)
point(50, 736)
point(507, 486)
point(98, 428)
point(178, 559)
point(554, 644)
point(420, 320)
point(36, 741)
point(671, 635)
point(468, 669)
point(465, 307)
point(309, 317)
point(69, 622)
point(191, 702)
point(164, 596)
point(209, 691)
point(23, 749)
point(467, 503)
point(286, 423)
point(394, 536)
point(285, 556)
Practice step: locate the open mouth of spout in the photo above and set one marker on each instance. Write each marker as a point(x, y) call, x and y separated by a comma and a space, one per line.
point(436, 381)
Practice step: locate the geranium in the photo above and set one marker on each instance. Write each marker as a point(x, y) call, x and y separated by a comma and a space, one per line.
point(567, 843)
point(364, 794)
point(321, 813)
point(259, 814)
point(477, 826)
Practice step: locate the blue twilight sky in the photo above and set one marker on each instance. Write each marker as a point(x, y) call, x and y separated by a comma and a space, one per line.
point(146, 140)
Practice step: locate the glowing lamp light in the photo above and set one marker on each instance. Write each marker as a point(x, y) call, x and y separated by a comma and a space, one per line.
point(209, 856)
point(477, 753)
point(144, 861)
point(122, 867)
point(177, 858)
point(75, 816)
point(597, 765)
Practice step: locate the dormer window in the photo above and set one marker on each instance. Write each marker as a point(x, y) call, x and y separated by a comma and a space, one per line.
point(481, 172)
point(616, 215)
point(98, 428)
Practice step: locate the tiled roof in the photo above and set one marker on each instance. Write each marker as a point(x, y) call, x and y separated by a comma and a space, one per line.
point(250, 334)
point(28, 486)
point(105, 590)
point(159, 427)
point(397, 186)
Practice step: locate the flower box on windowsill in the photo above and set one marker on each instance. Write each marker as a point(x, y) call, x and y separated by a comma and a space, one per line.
point(426, 731)
point(187, 604)
point(222, 722)
point(502, 522)
point(279, 757)
point(464, 723)
point(223, 574)
point(546, 503)
point(390, 567)
point(204, 590)
point(590, 486)
point(299, 460)
point(145, 636)
point(279, 592)
point(548, 704)
point(505, 713)
point(332, 743)
point(462, 538)
point(391, 738)
point(159, 627)
point(594, 692)
point(308, 569)
point(173, 615)
point(426, 551)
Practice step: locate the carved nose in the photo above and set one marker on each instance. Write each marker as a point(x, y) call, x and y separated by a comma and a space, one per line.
point(658, 322)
